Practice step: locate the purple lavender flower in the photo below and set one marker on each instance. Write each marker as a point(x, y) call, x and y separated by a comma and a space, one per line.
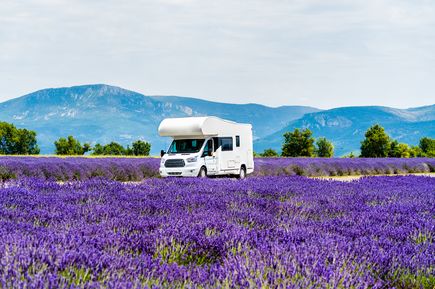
point(272, 232)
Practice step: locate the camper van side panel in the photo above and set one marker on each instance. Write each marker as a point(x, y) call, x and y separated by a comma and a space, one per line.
point(230, 161)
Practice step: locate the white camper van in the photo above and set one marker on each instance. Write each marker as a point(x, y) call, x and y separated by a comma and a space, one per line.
point(206, 146)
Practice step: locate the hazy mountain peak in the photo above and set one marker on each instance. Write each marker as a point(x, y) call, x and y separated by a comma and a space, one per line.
point(74, 93)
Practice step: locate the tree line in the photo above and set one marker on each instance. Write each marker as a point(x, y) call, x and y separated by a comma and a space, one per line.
point(71, 146)
point(298, 143)
point(376, 144)
point(16, 141)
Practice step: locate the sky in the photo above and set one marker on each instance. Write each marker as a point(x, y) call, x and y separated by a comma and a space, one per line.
point(275, 52)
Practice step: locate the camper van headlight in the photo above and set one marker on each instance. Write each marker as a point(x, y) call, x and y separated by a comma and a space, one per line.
point(192, 159)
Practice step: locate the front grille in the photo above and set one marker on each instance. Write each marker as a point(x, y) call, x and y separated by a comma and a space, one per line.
point(175, 174)
point(174, 163)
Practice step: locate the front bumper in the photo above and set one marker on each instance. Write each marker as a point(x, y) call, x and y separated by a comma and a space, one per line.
point(179, 172)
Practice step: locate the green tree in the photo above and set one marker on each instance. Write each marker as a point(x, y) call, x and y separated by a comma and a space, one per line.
point(298, 144)
point(14, 141)
point(138, 148)
point(427, 146)
point(415, 152)
point(376, 143)
point(141, 148)
point(98, 150)
point(86, 147)
point(110, 149)
point(115, 149)
point(351, 155)
point(269, 153)
point(405, 150)
point(70, 146)
point(324, 148)
point(399, 150)
point(27, 144)
point(7, 138)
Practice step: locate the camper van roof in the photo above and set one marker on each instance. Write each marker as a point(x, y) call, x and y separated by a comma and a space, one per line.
point(194, 126)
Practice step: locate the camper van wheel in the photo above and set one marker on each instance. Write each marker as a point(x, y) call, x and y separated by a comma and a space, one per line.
point(242, 173)
point(202, 173)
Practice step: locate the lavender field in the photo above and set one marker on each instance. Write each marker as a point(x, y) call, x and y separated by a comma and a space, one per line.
point(262, 232)
point(137, 169)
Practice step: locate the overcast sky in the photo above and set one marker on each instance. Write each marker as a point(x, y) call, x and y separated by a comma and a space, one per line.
point(276, 52)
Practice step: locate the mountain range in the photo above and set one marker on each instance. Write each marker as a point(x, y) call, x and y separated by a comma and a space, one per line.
point(103, 113)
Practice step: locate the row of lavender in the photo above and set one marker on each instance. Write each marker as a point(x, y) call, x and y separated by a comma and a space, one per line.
point(137, 169)
point(78, 168)
point(268, 232)
point(342, 167)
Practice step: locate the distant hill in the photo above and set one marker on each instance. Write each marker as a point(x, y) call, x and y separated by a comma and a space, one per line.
point(103, 113)
point(346, 126)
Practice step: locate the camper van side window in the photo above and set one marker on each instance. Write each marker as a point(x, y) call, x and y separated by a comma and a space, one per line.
point(226, 143)
point(237, 141)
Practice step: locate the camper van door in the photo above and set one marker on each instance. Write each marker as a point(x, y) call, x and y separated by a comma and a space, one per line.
point(226, 153)
point(210, 158)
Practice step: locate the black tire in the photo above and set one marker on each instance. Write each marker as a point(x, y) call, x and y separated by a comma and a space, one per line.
point(242, 173)
point(202, 173)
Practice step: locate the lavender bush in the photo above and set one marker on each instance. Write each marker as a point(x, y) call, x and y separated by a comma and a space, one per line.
point(137, 169)
point(76, 168)
point(341, 167)
point(269, 232)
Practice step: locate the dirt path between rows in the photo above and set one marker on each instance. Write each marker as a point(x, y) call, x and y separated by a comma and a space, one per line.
point(357, 177)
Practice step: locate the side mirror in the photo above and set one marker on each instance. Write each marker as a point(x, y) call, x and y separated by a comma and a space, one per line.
point(162, 153)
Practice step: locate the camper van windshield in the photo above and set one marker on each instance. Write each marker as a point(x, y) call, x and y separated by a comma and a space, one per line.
point(185, 146)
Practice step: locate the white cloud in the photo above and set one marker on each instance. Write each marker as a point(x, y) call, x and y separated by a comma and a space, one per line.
point(312, 52)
